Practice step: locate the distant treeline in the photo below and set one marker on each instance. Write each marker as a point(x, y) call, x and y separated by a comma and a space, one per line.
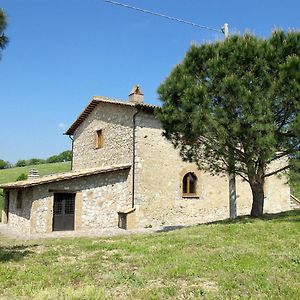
point(62, 157)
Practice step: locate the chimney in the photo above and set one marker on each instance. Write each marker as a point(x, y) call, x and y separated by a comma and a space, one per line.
point(33, 173)
point(136, 95)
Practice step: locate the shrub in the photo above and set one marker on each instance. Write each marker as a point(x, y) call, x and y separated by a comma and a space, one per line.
point(35, 161)
point(21, 163)
point(22, 176)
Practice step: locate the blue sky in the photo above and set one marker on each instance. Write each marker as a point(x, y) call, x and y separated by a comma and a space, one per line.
point(63, 52)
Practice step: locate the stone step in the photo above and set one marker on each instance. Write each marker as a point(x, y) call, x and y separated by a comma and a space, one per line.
point(294, 202)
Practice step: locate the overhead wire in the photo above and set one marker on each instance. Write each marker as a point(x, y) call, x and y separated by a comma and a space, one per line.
point(164, 16)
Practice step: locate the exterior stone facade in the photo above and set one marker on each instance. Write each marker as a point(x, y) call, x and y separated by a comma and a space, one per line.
point(116, 123)
point(159, 175)
point(97, 201)
point(148, 191)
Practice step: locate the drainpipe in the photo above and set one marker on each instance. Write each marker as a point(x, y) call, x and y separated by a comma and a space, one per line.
point(133, 156)
point(71, 138)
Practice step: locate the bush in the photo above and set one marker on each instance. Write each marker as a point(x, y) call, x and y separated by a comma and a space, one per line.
point(35, 161)
point(22, 176)
point(21, 163)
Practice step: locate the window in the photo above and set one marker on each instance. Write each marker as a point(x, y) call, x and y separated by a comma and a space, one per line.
point(189, 185)
point(99, 139)
point(19, 199)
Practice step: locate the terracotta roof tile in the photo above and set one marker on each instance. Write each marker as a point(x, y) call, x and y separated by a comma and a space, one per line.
point(63, 176)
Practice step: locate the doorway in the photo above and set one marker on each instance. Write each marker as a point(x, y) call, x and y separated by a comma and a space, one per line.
point(6, 207)
point(63, 211)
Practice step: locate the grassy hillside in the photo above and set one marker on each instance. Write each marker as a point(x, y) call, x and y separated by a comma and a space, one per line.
point(10, 175)
point(245, 259)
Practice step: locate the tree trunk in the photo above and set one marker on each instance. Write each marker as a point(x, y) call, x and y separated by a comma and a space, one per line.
point(257, 188)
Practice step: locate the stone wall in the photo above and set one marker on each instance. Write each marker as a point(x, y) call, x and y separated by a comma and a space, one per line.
point(98, 199)
point(159, 174)
point(116, 123)
point(277, 189)
point(19, 218)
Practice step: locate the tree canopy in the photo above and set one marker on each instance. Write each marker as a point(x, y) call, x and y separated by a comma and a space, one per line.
point(236, 101)
point(62, 157)
point(4, 164)
point(3, 37)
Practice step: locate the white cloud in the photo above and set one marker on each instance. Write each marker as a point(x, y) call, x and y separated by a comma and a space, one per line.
point(61, 125)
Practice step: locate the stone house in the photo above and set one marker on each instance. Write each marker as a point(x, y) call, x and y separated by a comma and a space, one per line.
point(126, 174)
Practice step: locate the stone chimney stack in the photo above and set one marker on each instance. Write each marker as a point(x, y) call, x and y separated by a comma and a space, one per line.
point(136, 95)
point(33, 173)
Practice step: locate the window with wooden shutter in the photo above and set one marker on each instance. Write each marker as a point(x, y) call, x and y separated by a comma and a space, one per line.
point(99, 139)
point(189, 185)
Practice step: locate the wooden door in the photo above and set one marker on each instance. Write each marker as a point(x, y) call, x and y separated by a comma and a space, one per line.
point(63, 211)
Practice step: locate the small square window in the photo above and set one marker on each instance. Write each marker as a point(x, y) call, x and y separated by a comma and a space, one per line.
point(19, 199)
point(99, 139)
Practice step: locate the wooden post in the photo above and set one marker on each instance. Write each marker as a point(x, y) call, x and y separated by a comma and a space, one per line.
point(231, 175)
point(232, 196)
point(225, 30)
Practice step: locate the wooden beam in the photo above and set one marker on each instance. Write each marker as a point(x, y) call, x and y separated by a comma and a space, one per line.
point(63, 191)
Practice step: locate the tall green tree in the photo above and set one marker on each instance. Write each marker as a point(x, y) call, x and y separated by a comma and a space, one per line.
point(233, 106)
point(3, 37)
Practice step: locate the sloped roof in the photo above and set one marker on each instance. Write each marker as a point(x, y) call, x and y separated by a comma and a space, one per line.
point(63, 176)
point(101, 99)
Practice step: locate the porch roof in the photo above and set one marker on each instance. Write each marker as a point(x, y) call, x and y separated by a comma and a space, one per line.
point(63, 176)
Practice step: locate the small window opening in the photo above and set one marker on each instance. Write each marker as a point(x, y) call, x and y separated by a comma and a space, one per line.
point(122, 221)
point(189, 185)
point(19, 199)
point(99, 139)
point(6, 207)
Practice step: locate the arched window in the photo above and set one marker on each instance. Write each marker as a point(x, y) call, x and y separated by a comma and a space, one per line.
point(189, 184)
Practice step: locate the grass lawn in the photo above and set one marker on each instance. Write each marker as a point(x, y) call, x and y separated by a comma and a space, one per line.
point(295, 188)
point(11, 174)
point(245, 259)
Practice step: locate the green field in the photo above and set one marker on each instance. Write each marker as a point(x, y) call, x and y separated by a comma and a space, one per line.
point(244, 259)
point(11, 174)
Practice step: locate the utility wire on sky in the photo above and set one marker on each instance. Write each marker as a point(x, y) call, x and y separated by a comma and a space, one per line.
point(164, 16)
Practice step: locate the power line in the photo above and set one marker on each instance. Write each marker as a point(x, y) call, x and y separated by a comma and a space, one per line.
point(164, 16)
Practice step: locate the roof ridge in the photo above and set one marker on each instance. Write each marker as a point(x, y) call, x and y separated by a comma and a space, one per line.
point(98, 99)
point(123, 101)
point(108, 98)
